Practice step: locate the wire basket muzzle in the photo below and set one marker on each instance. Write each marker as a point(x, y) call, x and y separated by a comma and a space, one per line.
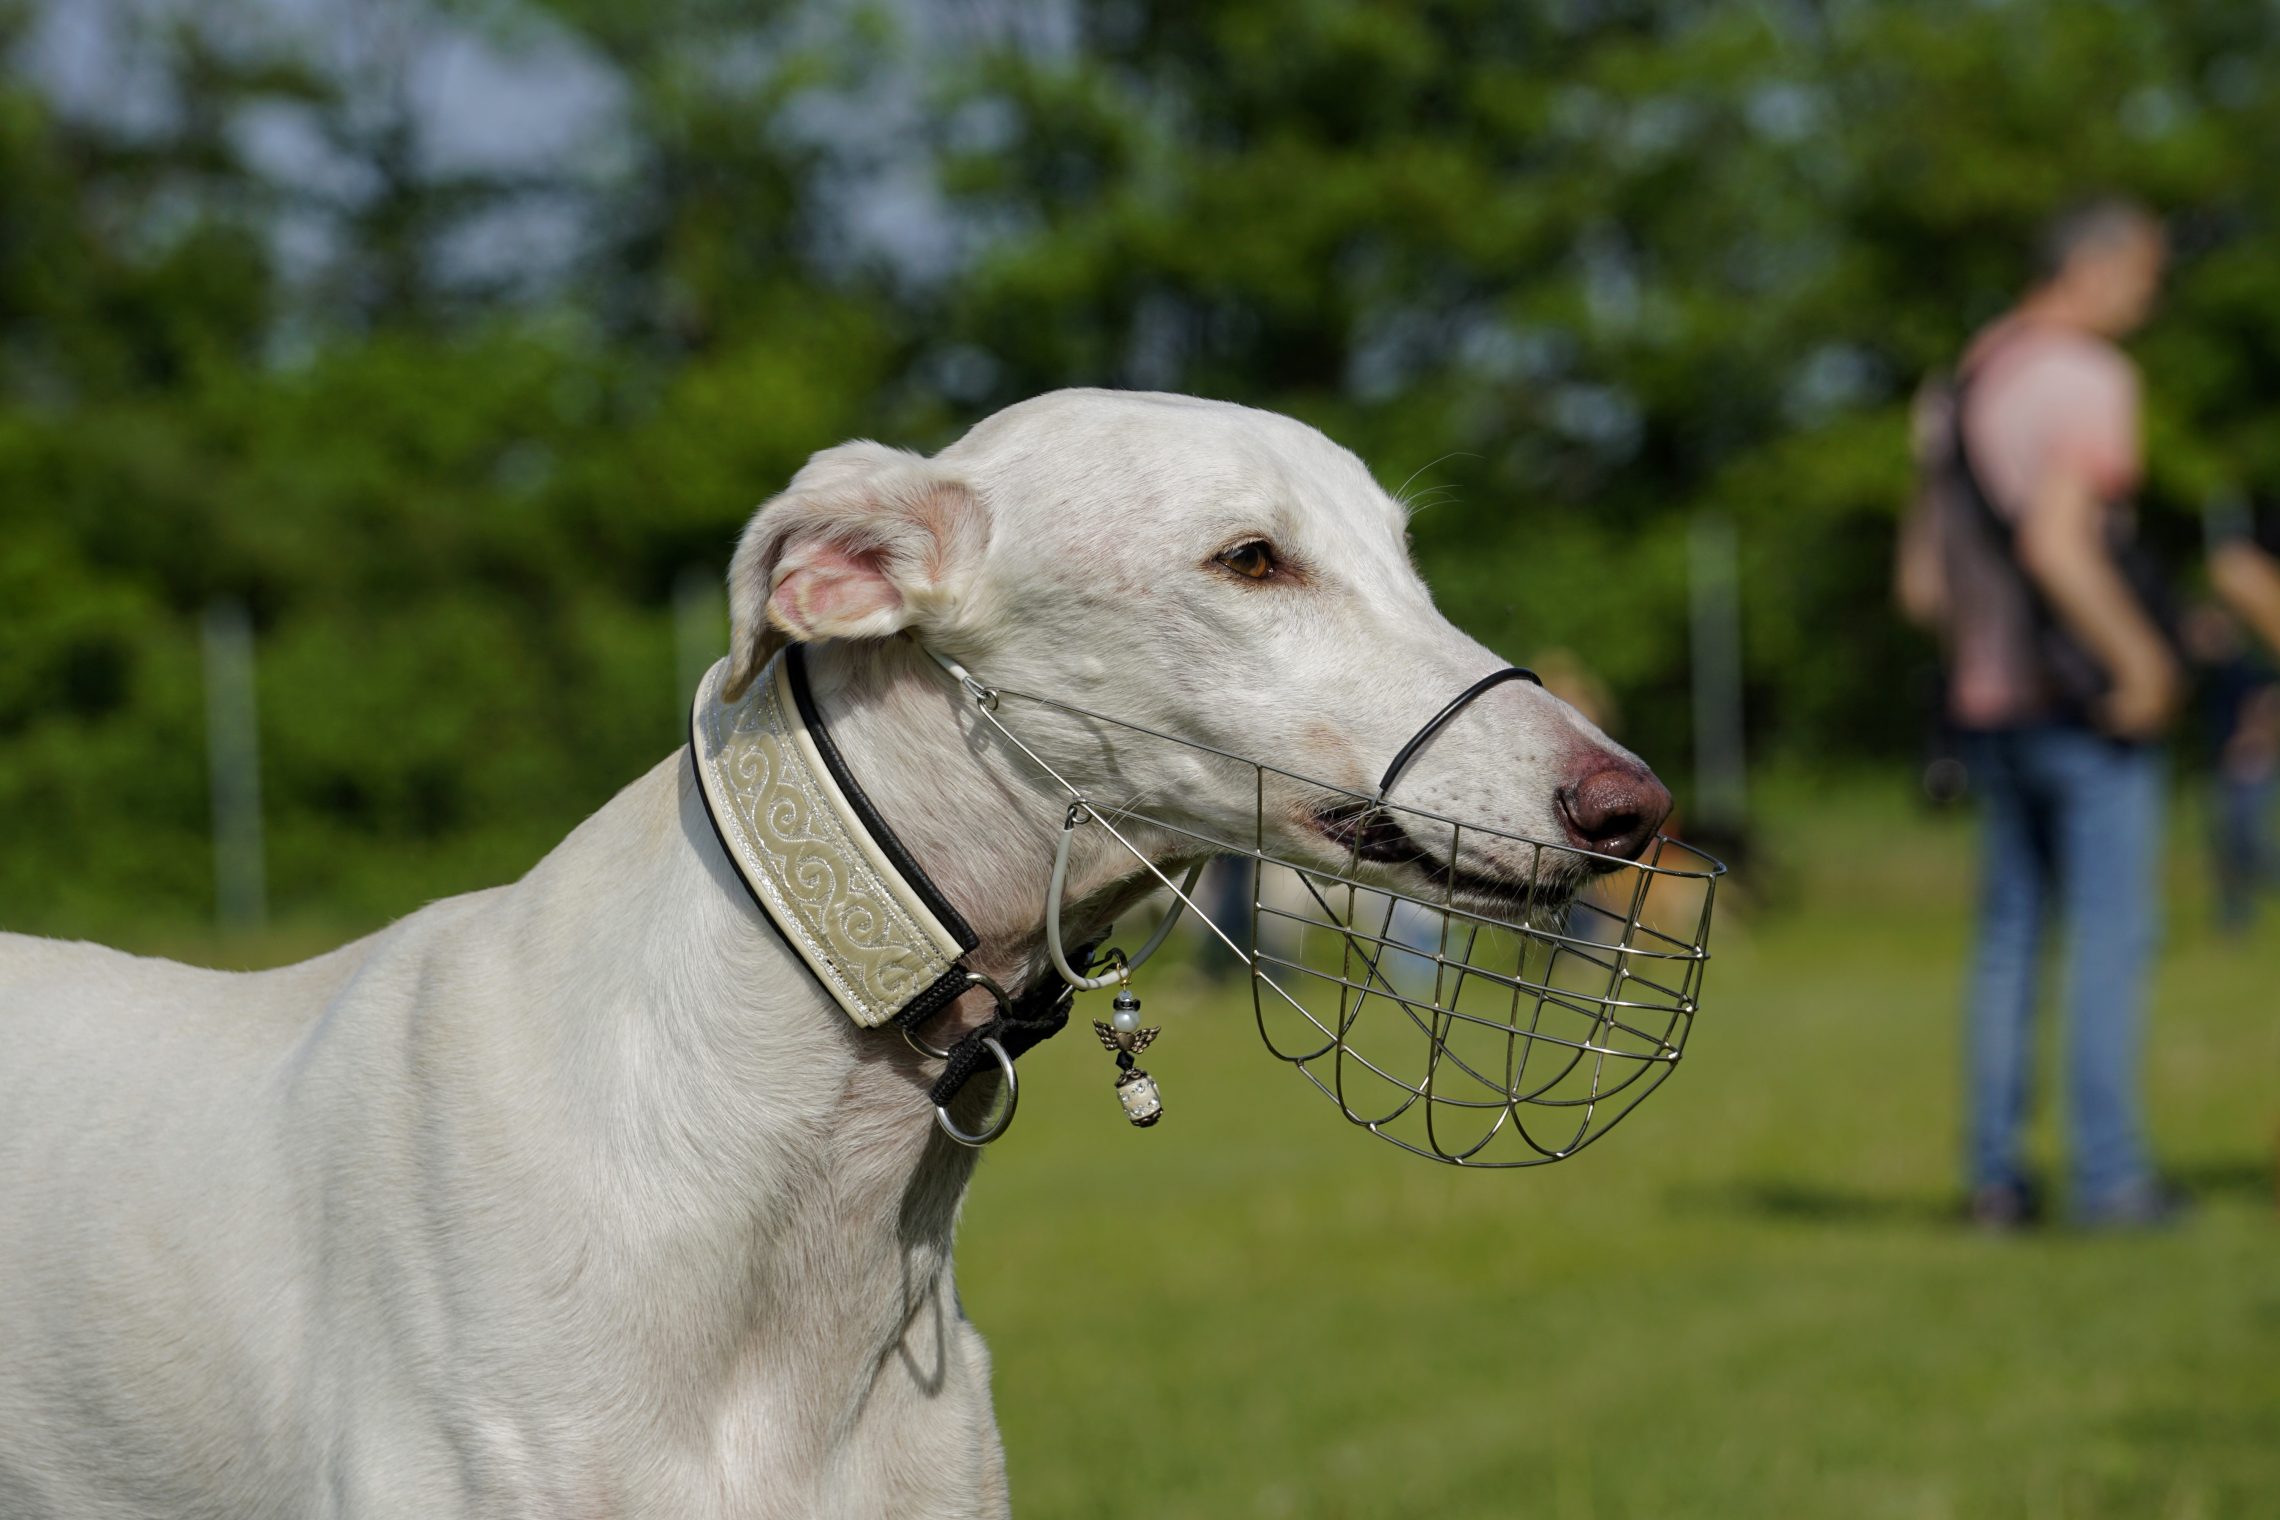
point(1469, 994)
point(1483, 1028)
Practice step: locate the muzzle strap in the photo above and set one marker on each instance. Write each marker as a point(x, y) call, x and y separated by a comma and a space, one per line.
point(1440, 720)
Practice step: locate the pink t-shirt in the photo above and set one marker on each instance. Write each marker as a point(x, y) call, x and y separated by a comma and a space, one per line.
point(2038, 399)
point(2046, 397)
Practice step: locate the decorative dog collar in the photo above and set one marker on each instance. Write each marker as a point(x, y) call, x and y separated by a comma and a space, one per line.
point(817, 857)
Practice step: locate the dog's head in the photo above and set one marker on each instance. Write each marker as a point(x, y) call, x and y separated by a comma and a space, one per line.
point(1226, 575)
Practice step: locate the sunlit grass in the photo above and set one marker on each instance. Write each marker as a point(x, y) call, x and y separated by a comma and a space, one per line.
point(1749, 1300)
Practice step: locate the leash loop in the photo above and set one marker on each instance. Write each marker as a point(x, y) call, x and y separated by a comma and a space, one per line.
point(942, 1053)
point(1004, 1119)
point(988, 1042)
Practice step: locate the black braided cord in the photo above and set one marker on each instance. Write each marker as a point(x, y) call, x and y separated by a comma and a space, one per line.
point(1038, 1013)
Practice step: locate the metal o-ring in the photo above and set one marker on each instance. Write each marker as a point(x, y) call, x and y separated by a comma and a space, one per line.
point(910, 1038)
point(973, 979)
point(1004, 1120)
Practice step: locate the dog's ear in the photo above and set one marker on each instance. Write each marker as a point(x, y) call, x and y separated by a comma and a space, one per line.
point(866, 542)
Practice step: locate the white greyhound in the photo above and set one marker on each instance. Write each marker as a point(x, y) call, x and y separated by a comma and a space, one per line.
point(579, 1197)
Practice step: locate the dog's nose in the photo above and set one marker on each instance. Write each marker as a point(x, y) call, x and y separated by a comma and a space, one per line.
point(1615, 810)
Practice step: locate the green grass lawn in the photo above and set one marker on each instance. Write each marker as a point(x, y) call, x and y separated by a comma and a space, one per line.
point(1749, 1300)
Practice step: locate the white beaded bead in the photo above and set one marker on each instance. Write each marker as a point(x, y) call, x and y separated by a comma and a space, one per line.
point(1125, 1020)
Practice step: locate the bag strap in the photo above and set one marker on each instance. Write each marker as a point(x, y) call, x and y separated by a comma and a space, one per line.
point(1981, 501)
point(2141, 577)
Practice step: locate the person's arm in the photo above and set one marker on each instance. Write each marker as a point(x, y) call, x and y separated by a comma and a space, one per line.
point(2248, 580)
point(1919, 576)
point(1919, 564)
point(2062, 544)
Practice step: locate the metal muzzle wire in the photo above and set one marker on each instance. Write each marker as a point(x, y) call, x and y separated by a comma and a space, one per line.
point(1469, 994)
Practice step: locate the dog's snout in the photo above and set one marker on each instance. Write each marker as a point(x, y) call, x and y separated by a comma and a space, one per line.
point(1615, 809)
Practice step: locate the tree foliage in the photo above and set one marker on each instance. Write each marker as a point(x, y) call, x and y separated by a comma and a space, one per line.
point(1565, 274)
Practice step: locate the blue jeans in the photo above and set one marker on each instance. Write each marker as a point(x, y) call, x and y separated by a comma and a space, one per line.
point(2244, 858)
point(2073, 824)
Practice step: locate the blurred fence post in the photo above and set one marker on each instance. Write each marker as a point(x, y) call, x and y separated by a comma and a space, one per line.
point(1714, 615)
point(233, 766)
point(700, 631)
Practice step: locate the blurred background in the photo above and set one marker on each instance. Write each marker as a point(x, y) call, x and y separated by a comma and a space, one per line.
point(382, 386)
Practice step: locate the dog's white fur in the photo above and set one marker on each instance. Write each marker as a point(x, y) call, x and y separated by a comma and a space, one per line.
point(576, 1197)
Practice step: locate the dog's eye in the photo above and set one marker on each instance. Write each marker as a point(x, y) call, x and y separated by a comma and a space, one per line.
point(1253, 560)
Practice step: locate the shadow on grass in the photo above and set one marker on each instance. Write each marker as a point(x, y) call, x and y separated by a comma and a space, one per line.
point(2250, 1177)
point(1802, 1202)
point(1816, 1203)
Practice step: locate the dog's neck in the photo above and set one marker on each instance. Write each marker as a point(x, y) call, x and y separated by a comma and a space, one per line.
point(949, 787)
point(790, 1196)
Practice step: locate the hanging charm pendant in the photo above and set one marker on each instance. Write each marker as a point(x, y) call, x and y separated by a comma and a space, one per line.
point(1135, 1089)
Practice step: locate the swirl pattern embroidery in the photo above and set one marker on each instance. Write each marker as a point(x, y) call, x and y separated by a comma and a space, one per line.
point(796, 850)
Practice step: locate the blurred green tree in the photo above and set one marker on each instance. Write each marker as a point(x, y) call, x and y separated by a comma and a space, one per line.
point(455, 514)
point(1564, 274)
point(1568, 273)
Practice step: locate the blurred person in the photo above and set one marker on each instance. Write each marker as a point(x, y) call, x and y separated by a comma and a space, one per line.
point(2244, 567)
point(2021, 553)
point(2241, 706)
point(2244, 570)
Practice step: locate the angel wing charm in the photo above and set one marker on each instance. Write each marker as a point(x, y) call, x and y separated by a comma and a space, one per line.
point(1135, 1089)
point(1134, 1042)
